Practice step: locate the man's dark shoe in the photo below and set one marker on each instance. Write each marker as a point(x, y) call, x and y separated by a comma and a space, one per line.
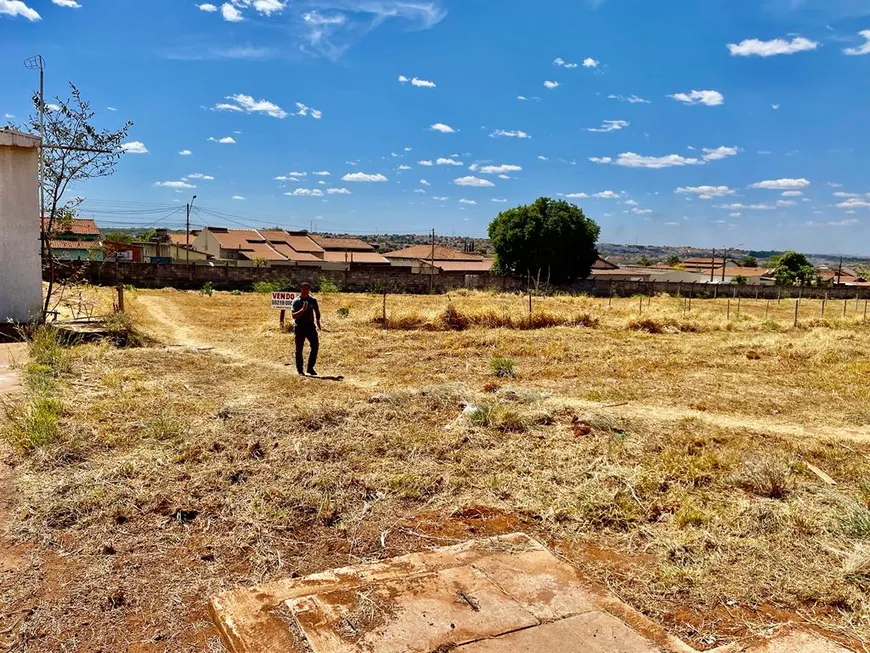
point(312, 371)
point(301, 373)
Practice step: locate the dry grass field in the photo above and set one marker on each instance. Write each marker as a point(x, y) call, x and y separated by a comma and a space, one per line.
point(674, 455)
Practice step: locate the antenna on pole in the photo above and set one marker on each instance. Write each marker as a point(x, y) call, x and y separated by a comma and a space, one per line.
point(38, 63)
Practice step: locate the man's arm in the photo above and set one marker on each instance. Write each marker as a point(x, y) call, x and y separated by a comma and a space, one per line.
point(297, 314)
point(317, 313)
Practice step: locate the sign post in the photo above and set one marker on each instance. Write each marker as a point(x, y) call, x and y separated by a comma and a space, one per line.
point(282, 301)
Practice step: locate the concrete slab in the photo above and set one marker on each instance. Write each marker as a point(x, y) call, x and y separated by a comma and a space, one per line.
point(592, 632)
point(418, 614)
point(11, 355)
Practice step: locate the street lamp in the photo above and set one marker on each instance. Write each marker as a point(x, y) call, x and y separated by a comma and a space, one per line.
point(187, 231)
point(725, 256)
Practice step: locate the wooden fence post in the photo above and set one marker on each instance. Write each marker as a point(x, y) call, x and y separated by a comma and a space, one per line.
point(120, 297)
point(728, 310)
point(640, 308)
point(384, 312)
point(865, 311)
point(766, 309)
point(845, 301)
point(796, 306)
point(738, 306)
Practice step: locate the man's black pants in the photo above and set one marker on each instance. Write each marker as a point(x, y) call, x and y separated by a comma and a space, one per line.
point(306, 332)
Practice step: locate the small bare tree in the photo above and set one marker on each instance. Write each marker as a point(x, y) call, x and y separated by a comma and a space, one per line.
point(74, 151)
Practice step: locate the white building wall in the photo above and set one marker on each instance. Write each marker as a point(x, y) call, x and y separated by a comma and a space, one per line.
point(20, 263)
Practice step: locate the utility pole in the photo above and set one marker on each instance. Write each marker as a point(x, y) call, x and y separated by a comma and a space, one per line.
point(840, 271)
point(712, 265)
point(187, 230)
point(432, 271)
point(38, 63)
point(724, 257)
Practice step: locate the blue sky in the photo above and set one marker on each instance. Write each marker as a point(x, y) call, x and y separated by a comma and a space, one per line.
point(696, 122)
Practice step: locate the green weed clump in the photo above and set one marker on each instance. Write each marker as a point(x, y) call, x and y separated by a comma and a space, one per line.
point(34, 422)
point(502, 367)
point(207, 288)
point(326, 286)
point(267, 287)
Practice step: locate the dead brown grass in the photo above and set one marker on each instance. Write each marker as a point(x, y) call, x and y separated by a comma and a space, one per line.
point(203, 469)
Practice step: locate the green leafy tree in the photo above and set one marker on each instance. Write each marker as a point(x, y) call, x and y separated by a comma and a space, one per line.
point(673, 260)
point(740, 280)
point(645, 261)
point(118, 237)
point(793, 269)
point(74, 151)
point(749, 262)
point(549, 237)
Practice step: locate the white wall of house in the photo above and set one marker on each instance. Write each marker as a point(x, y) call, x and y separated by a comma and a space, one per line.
point(206, 242)
point(20, 263)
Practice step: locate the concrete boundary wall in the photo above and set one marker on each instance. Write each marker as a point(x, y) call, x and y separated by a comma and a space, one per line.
point(373, 278)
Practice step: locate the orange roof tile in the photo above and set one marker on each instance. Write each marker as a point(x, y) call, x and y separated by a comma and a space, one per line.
point(342, 244)
point(424, 252)
point(77, 226)
point(354, 257)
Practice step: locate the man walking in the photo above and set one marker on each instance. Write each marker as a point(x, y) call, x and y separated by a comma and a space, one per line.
point(306, 313)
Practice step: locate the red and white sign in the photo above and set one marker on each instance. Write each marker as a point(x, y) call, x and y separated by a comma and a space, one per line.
point(283, 300)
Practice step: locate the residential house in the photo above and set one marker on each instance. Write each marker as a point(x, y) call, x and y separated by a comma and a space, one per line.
point(348, 250)
point(259, 246)
point(423, 258)
point(74, 239)
point(842, 276)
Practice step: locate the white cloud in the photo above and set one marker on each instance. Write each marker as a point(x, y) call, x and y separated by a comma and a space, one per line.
point(500, 201)
point(226, 140)
point(607, 195)
point(589, 62)
point(416, 81)
point(134, 147)
point(321, 173)
point(736, 214)
point(464, 201)
point(248, 104)
point(754, 47)
point(425, 182)
point(199, 175)
point(185, 153)
point(630, 203)
point(178, 185)
point(781, 184)
point(403, 167)
point(206, 6)
point(504, 176)
point(509, 134)
point(792, 193)
point(706, 192)
point(420, 190)
point(268, 7)
point(864, 48)
point(719, 153)
point(577, 195)
point(834, 184)
point(441, 199)
point(708, 98)
point(853, 203)
point(833, 223)
point(632, 160)
point(541, 157)
point(297, 174)
point(631, 99)
point(49, 106)
point(71, 4)
point(424, 163)
point(230, 13)
point(638, 211)
point(774, 106)
point(305, 110)
point(560, 62)
point(495, 170)
point(362, 176)
point(17, 8)
point(238, 197)
point(842, 194)
point(306, 192)
point(476, 182)
point(449, 161)
point(337, 191)
point(609, 126)
point(551, 85)
point(785, 203)
point(441, 127)
point(746, 207)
